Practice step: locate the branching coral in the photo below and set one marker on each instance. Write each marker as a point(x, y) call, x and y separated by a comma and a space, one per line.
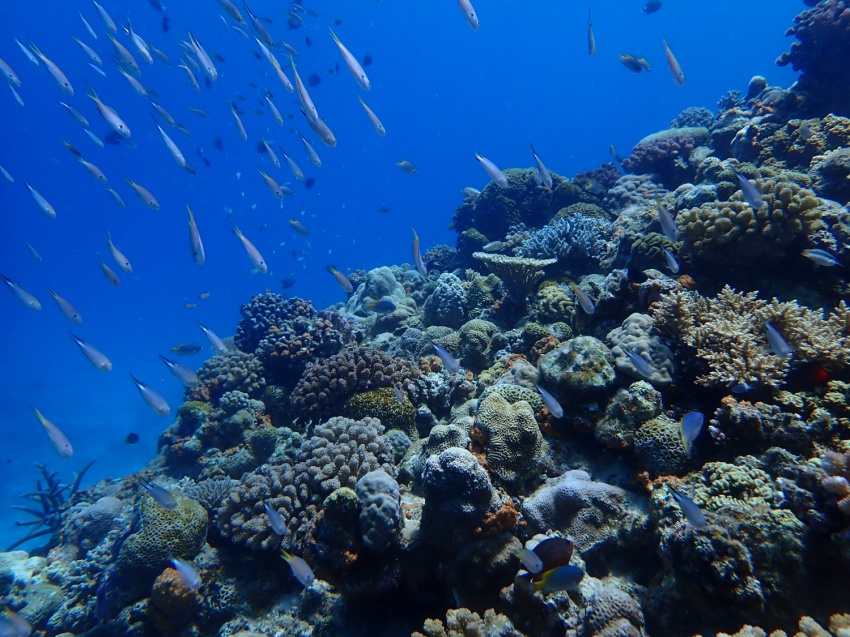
point(462, 622)
point(728, 334)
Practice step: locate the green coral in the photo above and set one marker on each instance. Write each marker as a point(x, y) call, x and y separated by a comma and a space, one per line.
point(553, 303)
point(193, 414)
point(164, 533)
point(476, 337)
point(482, 293)
point(659, 447)
point(383, 405)
point(629, 409)
point(511, 437)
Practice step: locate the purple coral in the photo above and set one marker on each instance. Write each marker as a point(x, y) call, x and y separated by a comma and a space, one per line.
point(665, 154)
point(606, 176)
point(328, 383)
point(821, 54)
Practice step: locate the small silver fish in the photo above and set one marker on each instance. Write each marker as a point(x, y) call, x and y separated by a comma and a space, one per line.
point(777, 343)
point(161, 496)
point(376, 122)
point(110, 275)
point(111, 116)
point(34, 253)
point(95, 356)
point(341, 279)
point(275, 520)
point(55, 72)
point(181, 372)
point(671, 261)
point(551, 403)
point(144, 194)
point(398, 395)
point(690, 428)
point(693, 514)
point(152, 397)
point(494, 246)
point(300, 569)
point(469, 191)
point(673, 63)
point(469, 13)
point(42, 203)
point(543, 172)
point(751, 192)
point(295, 168)
point(584, 299)
point(188, 573)
point(253, 254)
point(668, 224)
point(57, 438)
point(352, 64)
point(27, 52)
point(417, 256)
point(493, 171)
point(448, 360)
point(311, 153)
point(822, 257)
point(107, 19)
point(275, 113)
point(17, 96)
point(195, 242)
point(88, 27)
point(639, 362)
point(122, 261)
point(26, 299)
point(216, 342)
point(66, 308)
point(91, 53)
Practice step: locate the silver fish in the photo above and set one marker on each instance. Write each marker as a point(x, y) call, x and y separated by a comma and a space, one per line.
point(495, 246)
point(125, 57)
point(27, 52)
point(66, 308)
point(253, 254)
point(671, 261)
point(469, 13)
point(161, 496)
point(152, 397)
point(275, 519)
point(751, 192)
point(668, 224)
point(551, 402)
point(11, 76)
point(777, 343)
point(42, 203)
point(530, 560)
point(398, 395)
point(181, 372)
point(111, 116)
point(59, 441)
point(376, 123)
point(110, 275)
point(448, 360)
point(95, 356)
point(417, 256)
point(673, 63)
point(300, 569)
point(216, 342)
point(195, 242)
point(584, 299)
point(88, 27)
point(188, 573)
point(690, 428)
point(203, 58)
point(144, 194)
point(90, 52)
point(275, 113)
point(352, 64)
point(107, 19)
point(822, 257)
point(26, 299)
point(542, 171)
point(311, 153)
point(693, 514)
point(639, 362)
point(77, 115)
point(470, 192)
point(493, 171)
point(295, 168)
point(55, 72)
point(122, 261)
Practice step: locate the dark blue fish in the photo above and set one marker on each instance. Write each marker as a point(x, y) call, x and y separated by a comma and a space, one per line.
point(693, 514)
point(652, 6)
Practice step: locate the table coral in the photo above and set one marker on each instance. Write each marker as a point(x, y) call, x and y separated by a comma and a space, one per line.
point(510, 437)
point(520, 275)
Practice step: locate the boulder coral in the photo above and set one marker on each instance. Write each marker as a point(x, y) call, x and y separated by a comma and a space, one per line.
point(637, 334)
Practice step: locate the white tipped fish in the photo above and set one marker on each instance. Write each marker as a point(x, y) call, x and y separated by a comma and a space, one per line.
point(672, 264)
point(181, 372)
point(668, 224)
point(673, 63)
point(144, 194)
point(173, 150)
point(639, 362)
point(300, 569)
point(690, 428)
point(152, 397)
point(352, 64)
point(110, 274)
point(90, 52)
point(343, 281)
point(107, 19)
point(276, 190)
point(307, 105)
point(7, 71)
point(275, 519)
point(66, 308)
point(469, 13)
point(311, 152)
point(270, 152)
point(822, 257)
point(55, 72)
point(493, 171)
point(253, 254)
point(7, 175)
point(27, 52)
point(111, 116)
point(160, 495)
point(88, 27)
point(417, 256)
point(215, 341)
point(693, 514)
point(295, 168)
point(232, 11)
point(125, 57)
point(93, 170)
point(137, 40)
point(26, 299)
point(195, 242)
point(34, 253)
point(192, 80)
point(542, 171)
point(751, 192)
point(115, 196)
point(77, 115)
point(122, 261)
point(275, 113)
point(551, 403)
point(205, 60)
point(376, 123)
point(239, 125)
point(59, 441)
point(188, 573)
point(95, 356)
point(323, 131)
point(133, 82)
point(583, 299)
point(42, 203)
point(777, 343)
point(17, 96)
point(449, 361)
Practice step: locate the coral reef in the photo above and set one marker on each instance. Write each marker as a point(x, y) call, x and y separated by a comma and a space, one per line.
point(665, 154)
point(520, 275)
point(447, 303)
point(582, 366)
point(237, 371)
point(462, 622)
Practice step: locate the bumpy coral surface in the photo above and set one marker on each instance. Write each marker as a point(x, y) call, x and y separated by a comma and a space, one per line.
point(659, 447)
point(235, 371)
point(582, 365)
point(447, 303)
point(665, 154)
point(638, 336)
point(266, 311)
point(462, 622)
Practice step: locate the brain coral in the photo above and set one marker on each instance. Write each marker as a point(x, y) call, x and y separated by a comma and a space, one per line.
point(163, 534)
point(447, 303)
point(717, 233)
point(637, 333)
point(659, 447)
point(235, 371)
point(329, 382)
point(510, 436)
point(612, 613)
point(476, 336)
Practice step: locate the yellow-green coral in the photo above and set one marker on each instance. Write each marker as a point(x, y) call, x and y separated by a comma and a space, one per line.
point(512, 439)
point(383, 405)
point(553, 303)
point(164, 533)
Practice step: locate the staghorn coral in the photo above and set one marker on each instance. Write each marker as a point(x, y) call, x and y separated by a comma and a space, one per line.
point(328, 383)
point(220, 374)
point(727, 334)
point(266, 311)
point(462, 622)
point(510, 437)
point(518, 274)
point(716, 233)
point(447, 303)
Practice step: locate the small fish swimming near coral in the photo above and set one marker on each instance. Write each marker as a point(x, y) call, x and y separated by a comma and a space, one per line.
point(690, 428)
point(398, 395)
point(59, 441)
point(188, 573)
point(494, 246)
point(543, 174)
point(253, 254)
point(215, 341)
point(778, 344)
point(805, 131)
point(160, 495)
point(742, 388)
point(186, 349)
point(583, 298)
point(300, 569)
point(492, 171)
point(551, 402)
point(672, 264)
point(341, 279)
point(152, 397)
point(673, 63)
point(275, 519)
point(381, 306)
point(668, 224)
point(822, 257)
point(181, 372)
point(469, 191)
point(448, 360)
point(95, 356)
point(563, 578)
point(591, 40)
point(639, 362)
point(693, 514)
point(417, 256)
point(26, 298)
point(530, 560)
point(751, 192)
point(635, 64)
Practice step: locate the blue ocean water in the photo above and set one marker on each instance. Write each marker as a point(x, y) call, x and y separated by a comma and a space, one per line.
point(442, 91)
